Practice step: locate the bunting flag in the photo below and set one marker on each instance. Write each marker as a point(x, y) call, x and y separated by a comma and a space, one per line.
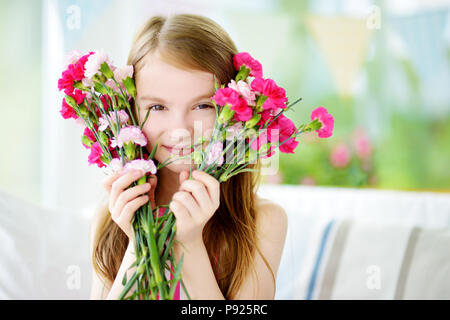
point(343, 42)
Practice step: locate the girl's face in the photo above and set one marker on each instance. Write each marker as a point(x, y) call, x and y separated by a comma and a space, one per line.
point(181, 110)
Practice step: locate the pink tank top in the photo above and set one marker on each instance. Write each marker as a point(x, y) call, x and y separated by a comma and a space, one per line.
point(176, 295)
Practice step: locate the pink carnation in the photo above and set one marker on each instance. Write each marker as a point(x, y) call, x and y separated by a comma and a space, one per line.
point(244, 90)
point(94, 62)
point(215, 154)
point(123, 117)
point(96, 153)
point(141, 164)
point(127, 135)
point(73, 57)
point(327, 121)
point(234, 130)
point(276, 96)
point(122, 73)
point(244, 58)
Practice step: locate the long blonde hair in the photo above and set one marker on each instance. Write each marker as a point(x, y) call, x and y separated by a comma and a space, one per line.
point(195, 42)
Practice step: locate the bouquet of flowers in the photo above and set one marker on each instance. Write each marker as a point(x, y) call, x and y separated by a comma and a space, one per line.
point(250, 124)
point(99, 95)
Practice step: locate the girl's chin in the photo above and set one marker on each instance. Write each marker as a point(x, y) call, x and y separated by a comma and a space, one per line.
point(180, 165)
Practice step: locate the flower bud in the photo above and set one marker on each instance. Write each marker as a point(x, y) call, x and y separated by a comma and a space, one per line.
point(86, 141)
point(128, 83)
point(104, 68)
point(130, 150)
point(141, 269)
point(313, 125)
point(71, 102)
point(104, 159)
point(242, 73)
point(225, 114)
point(253, 121)
point(100, 88)
point(104, 140)
point(259, 102)
point(223, 177)
point(197, 157)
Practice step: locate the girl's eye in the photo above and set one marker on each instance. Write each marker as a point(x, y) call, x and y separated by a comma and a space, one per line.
point(157, 109)
point(205, 106)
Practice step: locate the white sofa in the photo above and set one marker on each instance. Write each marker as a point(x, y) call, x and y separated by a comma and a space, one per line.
point(341, 244)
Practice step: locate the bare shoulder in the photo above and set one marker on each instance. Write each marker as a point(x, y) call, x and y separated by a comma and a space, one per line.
point(271, 217)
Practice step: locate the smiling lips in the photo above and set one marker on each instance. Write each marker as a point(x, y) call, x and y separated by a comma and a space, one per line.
point(180, 151)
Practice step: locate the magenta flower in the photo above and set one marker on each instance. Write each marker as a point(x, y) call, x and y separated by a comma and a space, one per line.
point(286, 128)
point(78, 95)
point(276, 96)
point(225, 96)
point(74, 72)
point(67, 111)
point(129, 134)
point(244, 58)
point(66, 82)
point(242, 111)
point(327, 121)
point(95, 155)
point(88, 133)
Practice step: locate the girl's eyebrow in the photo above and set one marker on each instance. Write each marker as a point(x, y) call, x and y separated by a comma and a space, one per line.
point(158, 99)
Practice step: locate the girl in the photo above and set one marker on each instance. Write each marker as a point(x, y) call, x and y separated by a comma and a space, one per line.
point(232, 239)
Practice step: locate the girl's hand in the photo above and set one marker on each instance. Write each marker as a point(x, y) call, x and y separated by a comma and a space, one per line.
point(194, 205)
point(123, 202)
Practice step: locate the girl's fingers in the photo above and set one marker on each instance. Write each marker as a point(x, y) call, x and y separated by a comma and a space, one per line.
point(211, 184)
point(180, 211)
point(130, 208)
point(184, 175)
point(122, 183)
point(128, 195)
point(199, 193)
point(189, 202)
point(107, 183)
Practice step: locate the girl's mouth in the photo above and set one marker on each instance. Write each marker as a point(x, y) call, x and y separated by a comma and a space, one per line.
point(179, 151)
